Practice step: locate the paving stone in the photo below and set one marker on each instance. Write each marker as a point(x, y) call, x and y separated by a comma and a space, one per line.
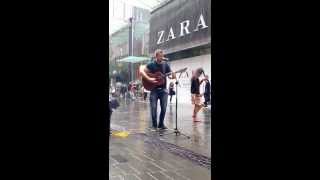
point(164, 166)
point(112, 161)
point(195, 173)
point(145, 176)
point(176, 163)
point(115, 171)
point(131, 177)
point(119, 158)
point(142, 157)
point(138, 167)
point(126, 168)
point(175, 175)
point(160, 176)
point(116, 178)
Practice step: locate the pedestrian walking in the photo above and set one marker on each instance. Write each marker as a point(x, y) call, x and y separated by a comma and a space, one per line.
point(113, 104)
point(195, 93)
point(123, 90)
point(129, 86)
point(171, 91)
point(132, 91)
point(207, 91)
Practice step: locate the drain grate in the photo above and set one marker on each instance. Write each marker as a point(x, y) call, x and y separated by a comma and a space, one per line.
point(184, 153)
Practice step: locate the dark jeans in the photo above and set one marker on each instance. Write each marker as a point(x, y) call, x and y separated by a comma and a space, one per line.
point(145, 95)
point(171, 93)
point(206, 99)
point(162, 95)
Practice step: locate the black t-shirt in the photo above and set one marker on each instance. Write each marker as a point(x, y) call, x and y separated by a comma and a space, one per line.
point(195, 86)
point(163, 68)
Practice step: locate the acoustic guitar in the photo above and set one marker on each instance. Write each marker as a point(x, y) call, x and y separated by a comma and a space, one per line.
point(159, 77)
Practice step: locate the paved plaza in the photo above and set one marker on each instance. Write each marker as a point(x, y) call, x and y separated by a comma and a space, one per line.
point(146, 155)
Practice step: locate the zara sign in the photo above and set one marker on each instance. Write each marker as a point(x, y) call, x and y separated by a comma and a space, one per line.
point(180, 24)
point(184, 30)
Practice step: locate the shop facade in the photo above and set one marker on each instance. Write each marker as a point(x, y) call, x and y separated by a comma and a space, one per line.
point(182, 28)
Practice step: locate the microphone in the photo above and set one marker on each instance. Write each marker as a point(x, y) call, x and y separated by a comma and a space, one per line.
point(165, 59)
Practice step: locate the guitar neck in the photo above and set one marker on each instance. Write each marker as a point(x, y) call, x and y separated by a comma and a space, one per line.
point(167, 74)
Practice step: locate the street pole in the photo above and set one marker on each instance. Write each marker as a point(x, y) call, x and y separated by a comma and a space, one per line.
point(131, 46)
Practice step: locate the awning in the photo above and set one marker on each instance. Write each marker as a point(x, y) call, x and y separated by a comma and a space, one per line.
point(134, 59)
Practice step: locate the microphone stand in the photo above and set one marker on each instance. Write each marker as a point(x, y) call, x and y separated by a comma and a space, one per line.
point(176, 131)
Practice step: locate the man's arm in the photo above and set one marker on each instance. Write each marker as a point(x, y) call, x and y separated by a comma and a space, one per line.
point(143, 71)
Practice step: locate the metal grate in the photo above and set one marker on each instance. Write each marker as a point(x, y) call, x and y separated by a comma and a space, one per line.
point(198, 159)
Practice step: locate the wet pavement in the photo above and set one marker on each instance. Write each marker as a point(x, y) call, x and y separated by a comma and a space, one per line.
point(145, 155)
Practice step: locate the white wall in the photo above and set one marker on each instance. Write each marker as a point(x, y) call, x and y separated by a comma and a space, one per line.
point(204, 61)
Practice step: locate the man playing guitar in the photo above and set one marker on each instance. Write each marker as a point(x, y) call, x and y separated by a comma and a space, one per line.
point(159, 92)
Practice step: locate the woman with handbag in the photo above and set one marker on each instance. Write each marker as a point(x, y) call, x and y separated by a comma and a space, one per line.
point(195, 93)
point(171, 90)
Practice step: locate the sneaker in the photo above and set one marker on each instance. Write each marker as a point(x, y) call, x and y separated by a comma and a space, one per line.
point(153, 129)
point(163, 127)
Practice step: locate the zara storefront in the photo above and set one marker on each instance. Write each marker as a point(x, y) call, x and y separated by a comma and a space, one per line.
point(182, 28)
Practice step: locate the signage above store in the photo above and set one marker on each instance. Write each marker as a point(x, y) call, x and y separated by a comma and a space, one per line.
point(164, 36)
point(180, 25)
